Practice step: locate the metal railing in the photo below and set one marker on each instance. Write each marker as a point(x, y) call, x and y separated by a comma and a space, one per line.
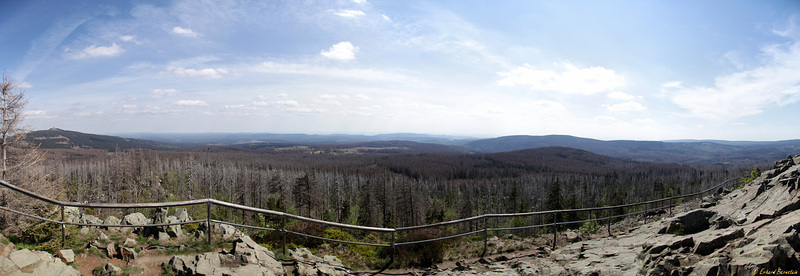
point(393, 231)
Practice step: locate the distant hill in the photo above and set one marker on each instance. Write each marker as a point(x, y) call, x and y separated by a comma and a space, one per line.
point(55, 138)
point(651, 151)
point(251, 140)
point(388, 147)
point(677, 151)
point(396, 146)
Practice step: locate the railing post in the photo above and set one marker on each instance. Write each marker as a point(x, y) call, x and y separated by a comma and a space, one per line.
point(485, 236)
point(283, 232)
point(609, 222)
point(393, 249)
point(670, 206)
point(555, 229)
point(208, 222)
point(63, 229)
point(646, 208)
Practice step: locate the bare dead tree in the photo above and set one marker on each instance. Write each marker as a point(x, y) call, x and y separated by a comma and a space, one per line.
point(21, 161)
point(13, 129)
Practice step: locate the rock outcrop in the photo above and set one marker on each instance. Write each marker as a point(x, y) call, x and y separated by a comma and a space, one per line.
point(249, 258)
point(26, 262)
point(246, 258)
point(752, 230)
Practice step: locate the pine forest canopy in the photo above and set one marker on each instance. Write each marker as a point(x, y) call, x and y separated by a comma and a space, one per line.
point(378, 188)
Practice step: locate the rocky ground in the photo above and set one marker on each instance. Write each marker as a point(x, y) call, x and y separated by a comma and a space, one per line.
point(752, 230)
point(748, 231)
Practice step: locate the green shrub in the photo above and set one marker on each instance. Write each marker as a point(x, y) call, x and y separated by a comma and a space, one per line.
point(420, 254)
point(755, 173)
point(335, 234)
point(590, 227)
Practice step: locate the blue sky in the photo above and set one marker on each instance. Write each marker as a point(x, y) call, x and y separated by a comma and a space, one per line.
point(644, 70)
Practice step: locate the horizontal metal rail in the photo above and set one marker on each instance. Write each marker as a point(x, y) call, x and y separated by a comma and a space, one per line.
point(341, 241)
point(243, 225)
point(284, 215)
point(128, 225)
point(28, 215)
point(440, 239)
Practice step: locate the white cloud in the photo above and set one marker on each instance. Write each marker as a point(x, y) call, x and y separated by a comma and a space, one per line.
point(184, 32)
point(191, 103)
point(341, 51)
point(385, 17)
point(286, 102)
point(363, 97)
point(568, 79)
point(153, 110)
point(235, 106)
point(160, 93)
point(626, 107)
point(129, 38)
point(329, 72)
point(360, 1)
point(545, 106)
point(208, 73)
point(25, 85)
point(349, 13)
point(282, 102)
point(38, 114)
point(620, 96)
point(746, 93)
point(97, 51)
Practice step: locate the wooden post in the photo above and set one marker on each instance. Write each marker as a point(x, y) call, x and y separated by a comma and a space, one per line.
point(555, 229)
point(646, 205)
point(283, 232)
point(485, 237)
point(63, 229)
point(670, 206)
point(208, 222)
point(393, 249)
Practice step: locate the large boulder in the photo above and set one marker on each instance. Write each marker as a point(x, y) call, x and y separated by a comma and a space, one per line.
point(689, 222)
point(66, 255)
point(309, 264)
point(159, 218)
point(708, 243)
point(252, 253)
point(72, 214)
point(127, 254)
point(112, 220)
point(246, 258)
point(135, 219)
point(107, 270)
point(182, 215)
point(89, 219)
point(26, 262)
point(174, 230)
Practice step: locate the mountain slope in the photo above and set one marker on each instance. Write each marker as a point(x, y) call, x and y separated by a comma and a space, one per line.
point(55, 138)
point(649, 151)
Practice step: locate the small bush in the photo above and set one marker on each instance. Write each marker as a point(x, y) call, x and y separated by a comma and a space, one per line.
point(590, 227)
point(752, 175)
point(421, 254)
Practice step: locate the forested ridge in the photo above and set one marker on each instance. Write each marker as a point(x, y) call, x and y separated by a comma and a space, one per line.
point(374, 188)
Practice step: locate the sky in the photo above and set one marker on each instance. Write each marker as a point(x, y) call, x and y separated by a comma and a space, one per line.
point(633, 70)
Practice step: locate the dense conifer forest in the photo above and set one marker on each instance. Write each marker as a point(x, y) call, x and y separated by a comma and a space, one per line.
point(375, 188)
